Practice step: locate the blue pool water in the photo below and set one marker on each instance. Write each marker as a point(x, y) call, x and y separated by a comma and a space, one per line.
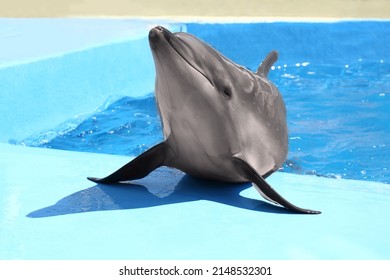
point(335, 79)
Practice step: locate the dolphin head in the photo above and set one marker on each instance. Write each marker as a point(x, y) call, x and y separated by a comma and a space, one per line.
point(209, 103)
point(184, 61)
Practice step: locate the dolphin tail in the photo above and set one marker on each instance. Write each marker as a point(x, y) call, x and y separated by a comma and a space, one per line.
point(139, 167)
point(265, 189)
point(267, 63)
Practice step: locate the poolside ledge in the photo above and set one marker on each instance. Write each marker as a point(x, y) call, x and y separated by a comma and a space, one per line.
point(49, 210)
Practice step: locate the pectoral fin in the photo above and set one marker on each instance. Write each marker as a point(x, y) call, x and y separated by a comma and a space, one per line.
point(264, 188)
point(139, 167)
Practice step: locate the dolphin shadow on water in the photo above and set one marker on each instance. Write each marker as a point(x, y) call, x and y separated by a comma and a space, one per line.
point(153, 191)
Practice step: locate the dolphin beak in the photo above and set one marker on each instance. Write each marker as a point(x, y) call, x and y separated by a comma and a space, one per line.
point(156, 34)
point(159, 35)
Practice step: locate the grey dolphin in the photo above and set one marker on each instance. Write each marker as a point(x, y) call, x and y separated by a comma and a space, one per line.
point(220, 121)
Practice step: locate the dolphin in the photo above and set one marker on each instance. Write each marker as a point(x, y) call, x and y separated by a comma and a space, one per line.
point(220, 121)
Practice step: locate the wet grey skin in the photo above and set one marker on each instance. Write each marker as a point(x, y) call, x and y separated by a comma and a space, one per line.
point(220, 121)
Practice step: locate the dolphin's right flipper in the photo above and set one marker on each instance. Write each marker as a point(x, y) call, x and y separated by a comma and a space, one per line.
point(265, 189)
point(138, 167)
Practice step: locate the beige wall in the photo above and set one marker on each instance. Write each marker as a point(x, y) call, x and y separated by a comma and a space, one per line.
point(197, 8)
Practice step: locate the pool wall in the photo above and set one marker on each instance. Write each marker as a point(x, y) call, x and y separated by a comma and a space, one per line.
point(40, 93)
point(297, 41)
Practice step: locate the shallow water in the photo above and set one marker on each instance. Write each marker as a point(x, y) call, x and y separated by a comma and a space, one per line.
point(338, 118)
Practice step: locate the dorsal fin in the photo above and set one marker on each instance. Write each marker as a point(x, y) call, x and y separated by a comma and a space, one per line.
point(265, 66)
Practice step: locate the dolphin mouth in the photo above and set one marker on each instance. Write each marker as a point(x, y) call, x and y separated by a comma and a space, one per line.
point(159, 32)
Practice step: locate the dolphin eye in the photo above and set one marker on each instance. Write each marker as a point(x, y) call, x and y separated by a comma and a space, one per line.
point(227, 92)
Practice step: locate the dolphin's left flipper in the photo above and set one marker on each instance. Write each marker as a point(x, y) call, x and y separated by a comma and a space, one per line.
point(265, 189)
point(138, 167)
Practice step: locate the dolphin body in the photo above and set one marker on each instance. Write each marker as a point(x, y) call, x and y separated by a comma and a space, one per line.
point(220, 121)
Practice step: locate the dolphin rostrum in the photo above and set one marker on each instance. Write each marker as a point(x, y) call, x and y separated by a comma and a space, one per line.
point(220, 121)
